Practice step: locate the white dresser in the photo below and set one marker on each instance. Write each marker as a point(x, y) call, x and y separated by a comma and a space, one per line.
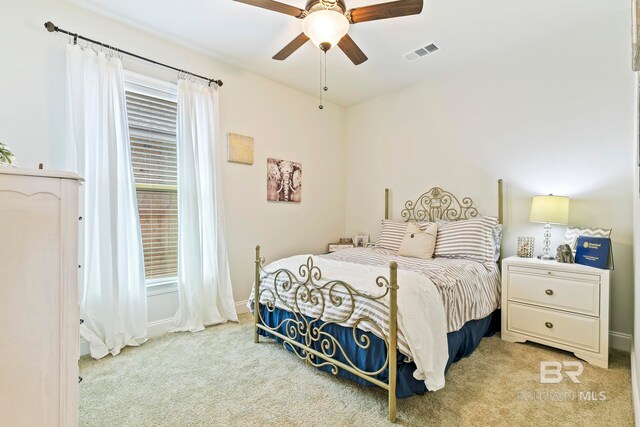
point(38, 298)
point(561, 305)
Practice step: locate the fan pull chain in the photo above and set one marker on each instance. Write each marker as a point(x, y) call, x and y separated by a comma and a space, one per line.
point(325, 88)
point(323, 76)
point(321, 80)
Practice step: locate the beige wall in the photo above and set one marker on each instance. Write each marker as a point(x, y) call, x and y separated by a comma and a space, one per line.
point(557, 116)
point(284, 122)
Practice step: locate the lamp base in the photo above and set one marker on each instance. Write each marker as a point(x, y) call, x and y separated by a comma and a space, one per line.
point(546, 257)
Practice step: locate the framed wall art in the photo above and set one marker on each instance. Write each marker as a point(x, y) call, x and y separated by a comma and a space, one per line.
point(284, 181)
point(240, 149)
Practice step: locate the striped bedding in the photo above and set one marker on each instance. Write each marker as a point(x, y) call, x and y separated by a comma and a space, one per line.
point(469, 290)
point(422, 330)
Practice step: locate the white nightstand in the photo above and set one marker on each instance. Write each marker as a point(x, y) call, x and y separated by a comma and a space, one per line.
point(560, 305)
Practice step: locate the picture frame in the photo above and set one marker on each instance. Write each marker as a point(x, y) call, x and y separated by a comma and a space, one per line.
point(239, 149)
point(284, 181)
point(526, 246)
point(360, 240)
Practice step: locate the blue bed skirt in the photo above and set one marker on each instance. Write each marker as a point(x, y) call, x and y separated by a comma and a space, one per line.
point(461, 344)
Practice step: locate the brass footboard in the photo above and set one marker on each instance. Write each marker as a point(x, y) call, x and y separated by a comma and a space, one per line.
point(308, 300)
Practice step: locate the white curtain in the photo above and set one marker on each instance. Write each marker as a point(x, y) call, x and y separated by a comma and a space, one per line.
point(113, 301)
point(204, 281)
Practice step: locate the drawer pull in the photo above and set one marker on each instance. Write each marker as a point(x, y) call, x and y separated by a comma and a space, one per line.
point(548, 272)
point(549, 292)
point(548, 325)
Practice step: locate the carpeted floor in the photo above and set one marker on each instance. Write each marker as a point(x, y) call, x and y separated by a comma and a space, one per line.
point(219, 377)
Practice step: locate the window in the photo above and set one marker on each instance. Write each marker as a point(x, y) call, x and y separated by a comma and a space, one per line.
point(151, 111)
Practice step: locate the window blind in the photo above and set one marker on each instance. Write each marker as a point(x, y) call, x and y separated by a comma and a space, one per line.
point(152, 131)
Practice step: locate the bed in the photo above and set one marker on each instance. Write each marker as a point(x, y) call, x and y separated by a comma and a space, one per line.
point(381, 319)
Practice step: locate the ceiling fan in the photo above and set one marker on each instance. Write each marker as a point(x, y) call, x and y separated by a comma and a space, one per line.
point(326, 22)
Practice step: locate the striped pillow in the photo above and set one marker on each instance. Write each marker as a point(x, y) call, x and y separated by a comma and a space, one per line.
point(391, 234)
point(470, 239)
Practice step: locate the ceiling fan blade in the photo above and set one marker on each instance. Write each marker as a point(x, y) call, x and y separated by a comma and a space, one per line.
point(391, 9)
point(351, 49)
point(275, 6)
point(293, 45)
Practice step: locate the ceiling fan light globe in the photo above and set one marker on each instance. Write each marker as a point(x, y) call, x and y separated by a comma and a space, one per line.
point(325, 26)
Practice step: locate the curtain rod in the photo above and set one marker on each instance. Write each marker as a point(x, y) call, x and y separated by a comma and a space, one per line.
point(52, 28)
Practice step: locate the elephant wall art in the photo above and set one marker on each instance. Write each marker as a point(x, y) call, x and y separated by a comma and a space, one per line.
point(284, 181)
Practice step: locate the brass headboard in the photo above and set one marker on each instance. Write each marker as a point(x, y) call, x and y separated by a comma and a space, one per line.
point(440, 204)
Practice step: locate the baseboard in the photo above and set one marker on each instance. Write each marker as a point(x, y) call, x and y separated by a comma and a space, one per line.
point(634, 387)
point(617, 340)
point(161, 327)
point(241, 307)
point(158, 327)
point(620, 341)
point(154, 329)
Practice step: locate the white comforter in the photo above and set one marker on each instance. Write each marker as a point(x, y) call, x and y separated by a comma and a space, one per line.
point(421, 315)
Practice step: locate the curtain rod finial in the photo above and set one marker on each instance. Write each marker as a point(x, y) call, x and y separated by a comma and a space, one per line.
point(50, 27)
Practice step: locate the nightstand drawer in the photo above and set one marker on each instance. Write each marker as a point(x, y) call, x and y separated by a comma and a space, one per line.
point(575, 293)
point(554, 272)
point(564, 328)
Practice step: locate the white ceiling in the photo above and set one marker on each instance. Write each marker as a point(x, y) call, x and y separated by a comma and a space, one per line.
point(465, 30)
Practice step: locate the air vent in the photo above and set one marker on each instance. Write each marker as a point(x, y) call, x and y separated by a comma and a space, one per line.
point(421, 52)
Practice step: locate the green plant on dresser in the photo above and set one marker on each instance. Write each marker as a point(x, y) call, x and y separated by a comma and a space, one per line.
point(6, 156)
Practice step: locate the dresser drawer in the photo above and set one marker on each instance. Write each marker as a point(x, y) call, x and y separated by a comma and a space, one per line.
point(564, 328)
point(578, 293)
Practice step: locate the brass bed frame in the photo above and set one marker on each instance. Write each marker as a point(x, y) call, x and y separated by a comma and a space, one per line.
point(304, 289)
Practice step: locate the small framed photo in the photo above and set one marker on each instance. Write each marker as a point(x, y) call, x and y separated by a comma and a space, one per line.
point(525, 247)
point(360, 240)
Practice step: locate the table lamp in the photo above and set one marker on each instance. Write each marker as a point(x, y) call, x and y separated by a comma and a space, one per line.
point(549, 210)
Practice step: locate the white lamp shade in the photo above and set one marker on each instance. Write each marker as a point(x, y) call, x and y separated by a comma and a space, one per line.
point(325, 26)
point(550, 209)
